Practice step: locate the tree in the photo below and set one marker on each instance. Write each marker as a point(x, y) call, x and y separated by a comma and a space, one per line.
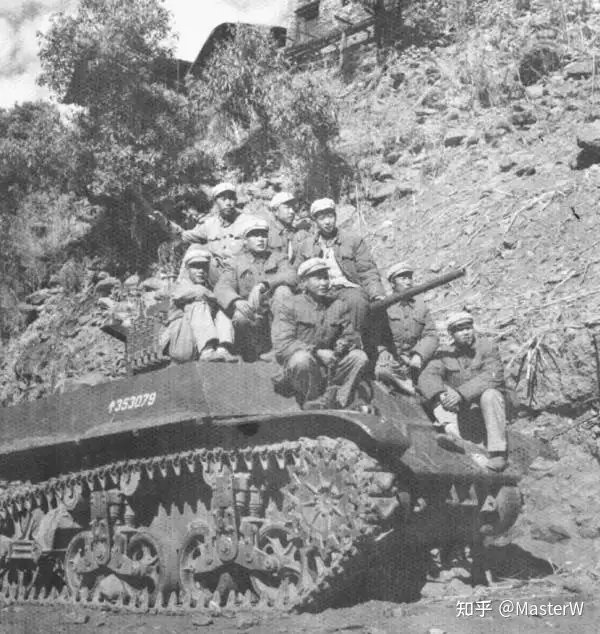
point(256, 114)
point(138, 130)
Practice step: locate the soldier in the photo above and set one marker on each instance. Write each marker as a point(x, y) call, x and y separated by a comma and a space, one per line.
point(284, 235)
point(196, 325)
point(220, 231)
point(353, 274)
point(252, 286)
point(316, 344)
point(469, 380)
point(409, 337)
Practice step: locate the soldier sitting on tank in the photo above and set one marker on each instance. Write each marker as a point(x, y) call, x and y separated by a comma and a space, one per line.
point(316, 343)
point(220, 231)
point(252, 287)
point(197, 327)
point(353, 273)
point(468, 380)
point(408, 338)
point(284, 234)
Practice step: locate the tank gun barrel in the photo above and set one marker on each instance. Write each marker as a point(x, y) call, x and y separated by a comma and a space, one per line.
point(439, 280)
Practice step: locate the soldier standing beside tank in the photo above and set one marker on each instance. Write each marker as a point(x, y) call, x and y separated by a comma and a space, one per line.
point(468, 379)
point(196, 325)
point(316, 343)
point(221, 232)
point(353, 275)
point(252, 287)
point(409, 338)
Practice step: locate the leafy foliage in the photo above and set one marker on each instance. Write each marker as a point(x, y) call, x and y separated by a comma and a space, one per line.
point(256, 114)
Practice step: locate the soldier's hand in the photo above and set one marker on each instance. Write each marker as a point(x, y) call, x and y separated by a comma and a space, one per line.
point(416, 361)
point(326, 357)
point(244, 308)
point(385, 358)
point(450, 399)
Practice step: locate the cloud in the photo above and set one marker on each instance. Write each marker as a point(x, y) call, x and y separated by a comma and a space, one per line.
point(19, 64)
point(193, 21)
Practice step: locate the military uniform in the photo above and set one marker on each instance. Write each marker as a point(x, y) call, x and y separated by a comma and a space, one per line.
point(223, 239)
point(305, 325)
point(240, 279)
point(356, 265)
point(284, 239)
point(477, 374)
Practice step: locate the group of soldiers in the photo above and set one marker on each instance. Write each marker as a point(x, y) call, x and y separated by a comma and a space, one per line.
point(267, 288)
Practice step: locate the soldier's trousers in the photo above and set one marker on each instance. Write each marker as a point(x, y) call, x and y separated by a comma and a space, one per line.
point(309, 379)
point(358, 303)
point(492, 410)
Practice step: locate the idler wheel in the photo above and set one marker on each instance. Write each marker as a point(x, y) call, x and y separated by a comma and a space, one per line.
point(157, 561)
point(294, 569)
point(74, 556)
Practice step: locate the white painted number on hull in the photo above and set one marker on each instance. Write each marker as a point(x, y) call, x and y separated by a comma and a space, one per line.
point(132, 402)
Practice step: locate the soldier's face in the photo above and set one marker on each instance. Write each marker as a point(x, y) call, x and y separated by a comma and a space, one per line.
point(256, 241)
point(226, 204)
point(463, 335)
point(402, 282)
point(198, 272)
point(317, 284)
point(286, 213)
point(326, 222)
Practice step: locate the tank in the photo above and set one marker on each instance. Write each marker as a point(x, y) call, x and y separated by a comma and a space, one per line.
point(198, 487)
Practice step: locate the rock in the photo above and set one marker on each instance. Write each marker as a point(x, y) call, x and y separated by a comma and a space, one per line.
point(152, 284)
point(380, 192)
point(30, 312)
point(472, 139)
point(106, 285)
point(539, 60)
point(132, 281)
point(432, 590)
point(452, 115)
point(38, 297)
point(534, 92)
point(523, 119)
point(397, 77)
point(588, 138)
point(506, 165)
point(525, 170)
point(455, 138)
point(381, 172)
point(246, 620)
point(551, 533)
point(345, 214)
point(579, 69)
point(435, 630)
point(202, 620)
point(106, 303)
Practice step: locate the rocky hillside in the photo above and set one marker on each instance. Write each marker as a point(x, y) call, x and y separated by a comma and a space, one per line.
point(482, 153)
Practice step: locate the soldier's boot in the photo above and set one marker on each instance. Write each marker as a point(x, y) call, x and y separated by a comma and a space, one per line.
point(386, 375)
point(327, 400)
point(223, 354)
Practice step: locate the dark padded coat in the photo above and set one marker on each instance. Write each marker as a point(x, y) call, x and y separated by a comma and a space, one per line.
point(309, 324)
point(409, 329)
point(352, 255)
point(471, 371)
point(243, 272)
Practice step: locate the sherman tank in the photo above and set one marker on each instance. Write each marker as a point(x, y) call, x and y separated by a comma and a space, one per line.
point(197, 486)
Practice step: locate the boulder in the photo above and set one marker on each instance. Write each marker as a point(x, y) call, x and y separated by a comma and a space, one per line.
point(381, 172)
point(106, 285)
point(381, 192)
point(539, 60)
point(588, 139)
point(550, 533)
point(579, 69)
point(38, 297)
point(523, 119)
point(455, 138)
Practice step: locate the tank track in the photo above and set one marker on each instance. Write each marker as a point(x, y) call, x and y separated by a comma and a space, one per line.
point(318, 506)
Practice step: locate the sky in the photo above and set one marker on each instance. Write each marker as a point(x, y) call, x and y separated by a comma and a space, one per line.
point(193, 21)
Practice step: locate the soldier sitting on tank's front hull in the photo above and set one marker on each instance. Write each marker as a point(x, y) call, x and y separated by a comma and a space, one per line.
point(197, 328)
point(252, 288)
point(316, 343)
point(468, 380)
